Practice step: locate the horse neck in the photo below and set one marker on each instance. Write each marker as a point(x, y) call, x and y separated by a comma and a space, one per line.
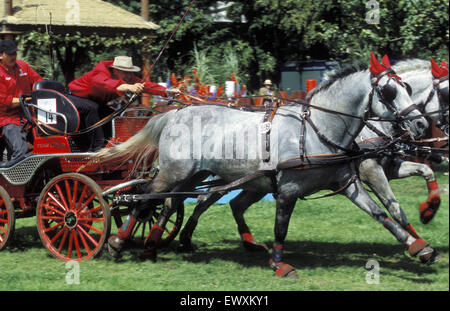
point(421, 82)
point(348, 95)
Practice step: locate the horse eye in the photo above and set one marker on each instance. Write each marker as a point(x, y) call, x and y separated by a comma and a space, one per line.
point(388, 92)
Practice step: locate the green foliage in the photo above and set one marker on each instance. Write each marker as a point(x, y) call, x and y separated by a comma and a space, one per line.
point(274, 32)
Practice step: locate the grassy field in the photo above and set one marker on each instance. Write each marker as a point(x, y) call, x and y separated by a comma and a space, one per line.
point(329, 242)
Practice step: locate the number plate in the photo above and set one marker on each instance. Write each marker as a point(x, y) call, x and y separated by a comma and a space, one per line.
point(48, 104)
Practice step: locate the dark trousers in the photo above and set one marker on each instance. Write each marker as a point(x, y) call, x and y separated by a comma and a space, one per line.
point(89, 115)
point(15, 140)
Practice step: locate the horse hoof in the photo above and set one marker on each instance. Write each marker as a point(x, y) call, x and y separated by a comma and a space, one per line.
point(430, 258)
point(286, 271)
point(254, 246)
point(186, 248)
point(292, 275)
point(428, 209)
point(115, 245)
point(149, 254)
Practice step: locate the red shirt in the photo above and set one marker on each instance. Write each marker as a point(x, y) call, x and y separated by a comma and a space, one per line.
point(99, 86)
point(14, 82)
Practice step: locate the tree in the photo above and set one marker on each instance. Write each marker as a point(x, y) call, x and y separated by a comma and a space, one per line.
point(274, 32)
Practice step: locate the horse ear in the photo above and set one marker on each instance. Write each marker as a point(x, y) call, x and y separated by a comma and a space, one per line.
point(444, 65)
point(385, 61)
point(375, 66)
point(437, 71)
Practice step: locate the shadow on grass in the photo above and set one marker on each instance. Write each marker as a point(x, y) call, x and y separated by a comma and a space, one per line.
point(24, 239)
point(311, 254)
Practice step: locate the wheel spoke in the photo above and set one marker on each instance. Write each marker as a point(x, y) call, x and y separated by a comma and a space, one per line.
point(69, 195)
point(144, 224)
point(83, 240)
point(77, 244)
point(53, 227)
point(69, 251)
point(61, 195)
point(89, 211)
point(63, 240)
point(57, 201)
point(49, 208)
point(52, 217)
point(57, 236)
point(92, 228)
point(135, 230)
point(91, 239)
point(3, 229)
point(89, 200)
point(75, 189)
point(80, 199)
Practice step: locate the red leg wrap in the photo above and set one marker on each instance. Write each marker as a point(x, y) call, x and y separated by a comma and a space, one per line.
point(154, 236)
point(417, 246)
point(246, 235)
point(128, 227)
point(429, 208)
point(409, 228)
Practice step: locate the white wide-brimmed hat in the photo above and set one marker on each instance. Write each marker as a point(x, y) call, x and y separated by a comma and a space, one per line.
point(267, 82)
point(125, 63)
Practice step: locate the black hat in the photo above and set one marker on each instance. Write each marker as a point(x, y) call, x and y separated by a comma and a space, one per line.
point(7, 46)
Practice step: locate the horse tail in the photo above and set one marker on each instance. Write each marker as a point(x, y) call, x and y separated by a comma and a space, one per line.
point(142, 148)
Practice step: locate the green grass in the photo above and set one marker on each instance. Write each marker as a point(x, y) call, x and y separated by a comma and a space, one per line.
point(329, 242)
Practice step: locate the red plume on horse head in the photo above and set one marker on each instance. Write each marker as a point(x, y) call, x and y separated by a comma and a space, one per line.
point(438, 71)
point(375, 67)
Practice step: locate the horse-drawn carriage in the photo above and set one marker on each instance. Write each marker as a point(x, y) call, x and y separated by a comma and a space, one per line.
point(71, 197)
point(74, 197)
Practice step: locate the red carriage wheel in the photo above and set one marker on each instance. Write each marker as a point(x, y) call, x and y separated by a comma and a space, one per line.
point(73, 220)
point(7, 218)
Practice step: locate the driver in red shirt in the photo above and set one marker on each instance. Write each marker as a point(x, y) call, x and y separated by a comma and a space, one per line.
point(107, 81)
point(16, 78)
point(111, 79)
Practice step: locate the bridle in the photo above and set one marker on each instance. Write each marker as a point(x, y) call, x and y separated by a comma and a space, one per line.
point(443, 111)
point(386, 96)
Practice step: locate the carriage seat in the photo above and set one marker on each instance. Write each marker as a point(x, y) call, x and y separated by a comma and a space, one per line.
point(50, 85)
point(47, 97)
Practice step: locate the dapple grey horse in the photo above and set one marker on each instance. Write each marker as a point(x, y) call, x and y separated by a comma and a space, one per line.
point(430, 91)
point(185, 160)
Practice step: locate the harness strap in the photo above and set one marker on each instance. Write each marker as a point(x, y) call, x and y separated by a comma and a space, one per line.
point(349, 182)
point(325, 139)
point(265, 131)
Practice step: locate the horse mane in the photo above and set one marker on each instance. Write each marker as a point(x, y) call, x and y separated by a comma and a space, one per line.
point(412, 64)
point(345, 71)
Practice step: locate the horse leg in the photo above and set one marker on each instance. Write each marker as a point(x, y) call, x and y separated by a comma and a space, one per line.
point(429, 208)
point(203, 203)
point(171, 205)
point(416, 247)
point(238, 206)
point(372, 174)
point(284, 208)
point(117, 241)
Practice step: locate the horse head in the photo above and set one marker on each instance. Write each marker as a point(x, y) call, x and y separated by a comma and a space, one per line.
point(438, 99)
point(391, 99)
